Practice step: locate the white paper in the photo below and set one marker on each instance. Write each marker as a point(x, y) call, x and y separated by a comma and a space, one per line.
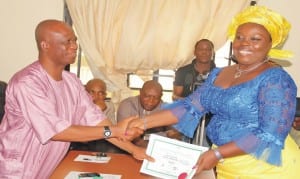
point(172, 157)
point(91, 158)
point(74, 175)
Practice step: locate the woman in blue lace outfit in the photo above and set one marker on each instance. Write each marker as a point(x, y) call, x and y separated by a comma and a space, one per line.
point(253, 103)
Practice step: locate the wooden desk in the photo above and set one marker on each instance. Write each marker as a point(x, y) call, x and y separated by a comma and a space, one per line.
point(120, 164)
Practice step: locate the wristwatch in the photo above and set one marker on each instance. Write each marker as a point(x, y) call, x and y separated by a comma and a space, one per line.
point(107, 132)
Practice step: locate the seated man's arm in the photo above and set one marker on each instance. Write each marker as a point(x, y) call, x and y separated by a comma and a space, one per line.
point(110, 112)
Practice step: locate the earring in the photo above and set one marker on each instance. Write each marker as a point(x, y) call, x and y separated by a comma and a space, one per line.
point(232, 58)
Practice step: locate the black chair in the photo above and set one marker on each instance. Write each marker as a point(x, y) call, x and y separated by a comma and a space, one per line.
point(298, 107)
point(2, 98)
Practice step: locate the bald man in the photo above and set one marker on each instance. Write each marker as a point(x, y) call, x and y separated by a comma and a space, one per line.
point(97, 89)
point(149, 101)
point(48, 107)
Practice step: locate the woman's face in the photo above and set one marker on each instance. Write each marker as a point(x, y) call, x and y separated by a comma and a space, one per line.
point(251, 44)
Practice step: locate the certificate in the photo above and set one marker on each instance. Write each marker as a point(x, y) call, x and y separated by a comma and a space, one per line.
point(172, 157)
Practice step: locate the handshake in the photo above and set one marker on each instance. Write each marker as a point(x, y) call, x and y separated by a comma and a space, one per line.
point(131, 128)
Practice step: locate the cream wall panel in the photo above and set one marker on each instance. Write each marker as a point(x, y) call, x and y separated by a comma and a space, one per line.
point(18, 20)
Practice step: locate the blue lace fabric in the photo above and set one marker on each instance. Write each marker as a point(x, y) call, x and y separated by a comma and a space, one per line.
point(257, 115)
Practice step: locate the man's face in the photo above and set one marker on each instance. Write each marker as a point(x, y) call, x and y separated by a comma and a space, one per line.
point(203, 52)
point(97, 91)
point(150, 98)
point(62, 46)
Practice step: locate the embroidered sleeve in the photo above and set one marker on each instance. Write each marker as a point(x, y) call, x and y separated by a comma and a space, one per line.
point(277, 100)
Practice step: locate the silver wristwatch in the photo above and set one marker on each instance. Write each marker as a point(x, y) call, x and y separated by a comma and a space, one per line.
point(107, 132)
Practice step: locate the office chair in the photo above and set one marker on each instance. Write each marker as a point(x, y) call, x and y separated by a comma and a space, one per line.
point(2, 98)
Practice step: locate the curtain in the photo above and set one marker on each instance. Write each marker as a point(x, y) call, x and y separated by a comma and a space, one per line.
point(121, 36)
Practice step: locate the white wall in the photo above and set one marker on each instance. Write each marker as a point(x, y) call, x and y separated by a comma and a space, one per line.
point(19, 19)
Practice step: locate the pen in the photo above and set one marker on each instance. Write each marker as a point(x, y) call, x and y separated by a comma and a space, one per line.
point(86, 159)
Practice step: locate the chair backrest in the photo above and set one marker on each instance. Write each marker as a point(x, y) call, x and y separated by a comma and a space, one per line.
point(2, 98)
point(298, 107)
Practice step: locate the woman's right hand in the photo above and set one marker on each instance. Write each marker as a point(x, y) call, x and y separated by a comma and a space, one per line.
point(136, 122)
point(129, 133)
point(206, 161)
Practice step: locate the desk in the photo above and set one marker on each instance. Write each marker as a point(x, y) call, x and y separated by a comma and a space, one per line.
point(120, 164)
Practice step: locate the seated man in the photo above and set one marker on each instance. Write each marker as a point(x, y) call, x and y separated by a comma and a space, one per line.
point(97, 89)
point(147, 102)
point(296, 123)
point(295, 131)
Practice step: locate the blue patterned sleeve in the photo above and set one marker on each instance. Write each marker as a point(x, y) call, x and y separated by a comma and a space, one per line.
point(276, 101)
point(189, 111)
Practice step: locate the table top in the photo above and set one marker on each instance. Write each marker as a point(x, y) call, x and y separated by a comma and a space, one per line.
point(119, 164)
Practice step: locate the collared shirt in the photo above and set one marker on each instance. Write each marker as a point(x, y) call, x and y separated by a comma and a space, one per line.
point(186, 76)
point(131, 107)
